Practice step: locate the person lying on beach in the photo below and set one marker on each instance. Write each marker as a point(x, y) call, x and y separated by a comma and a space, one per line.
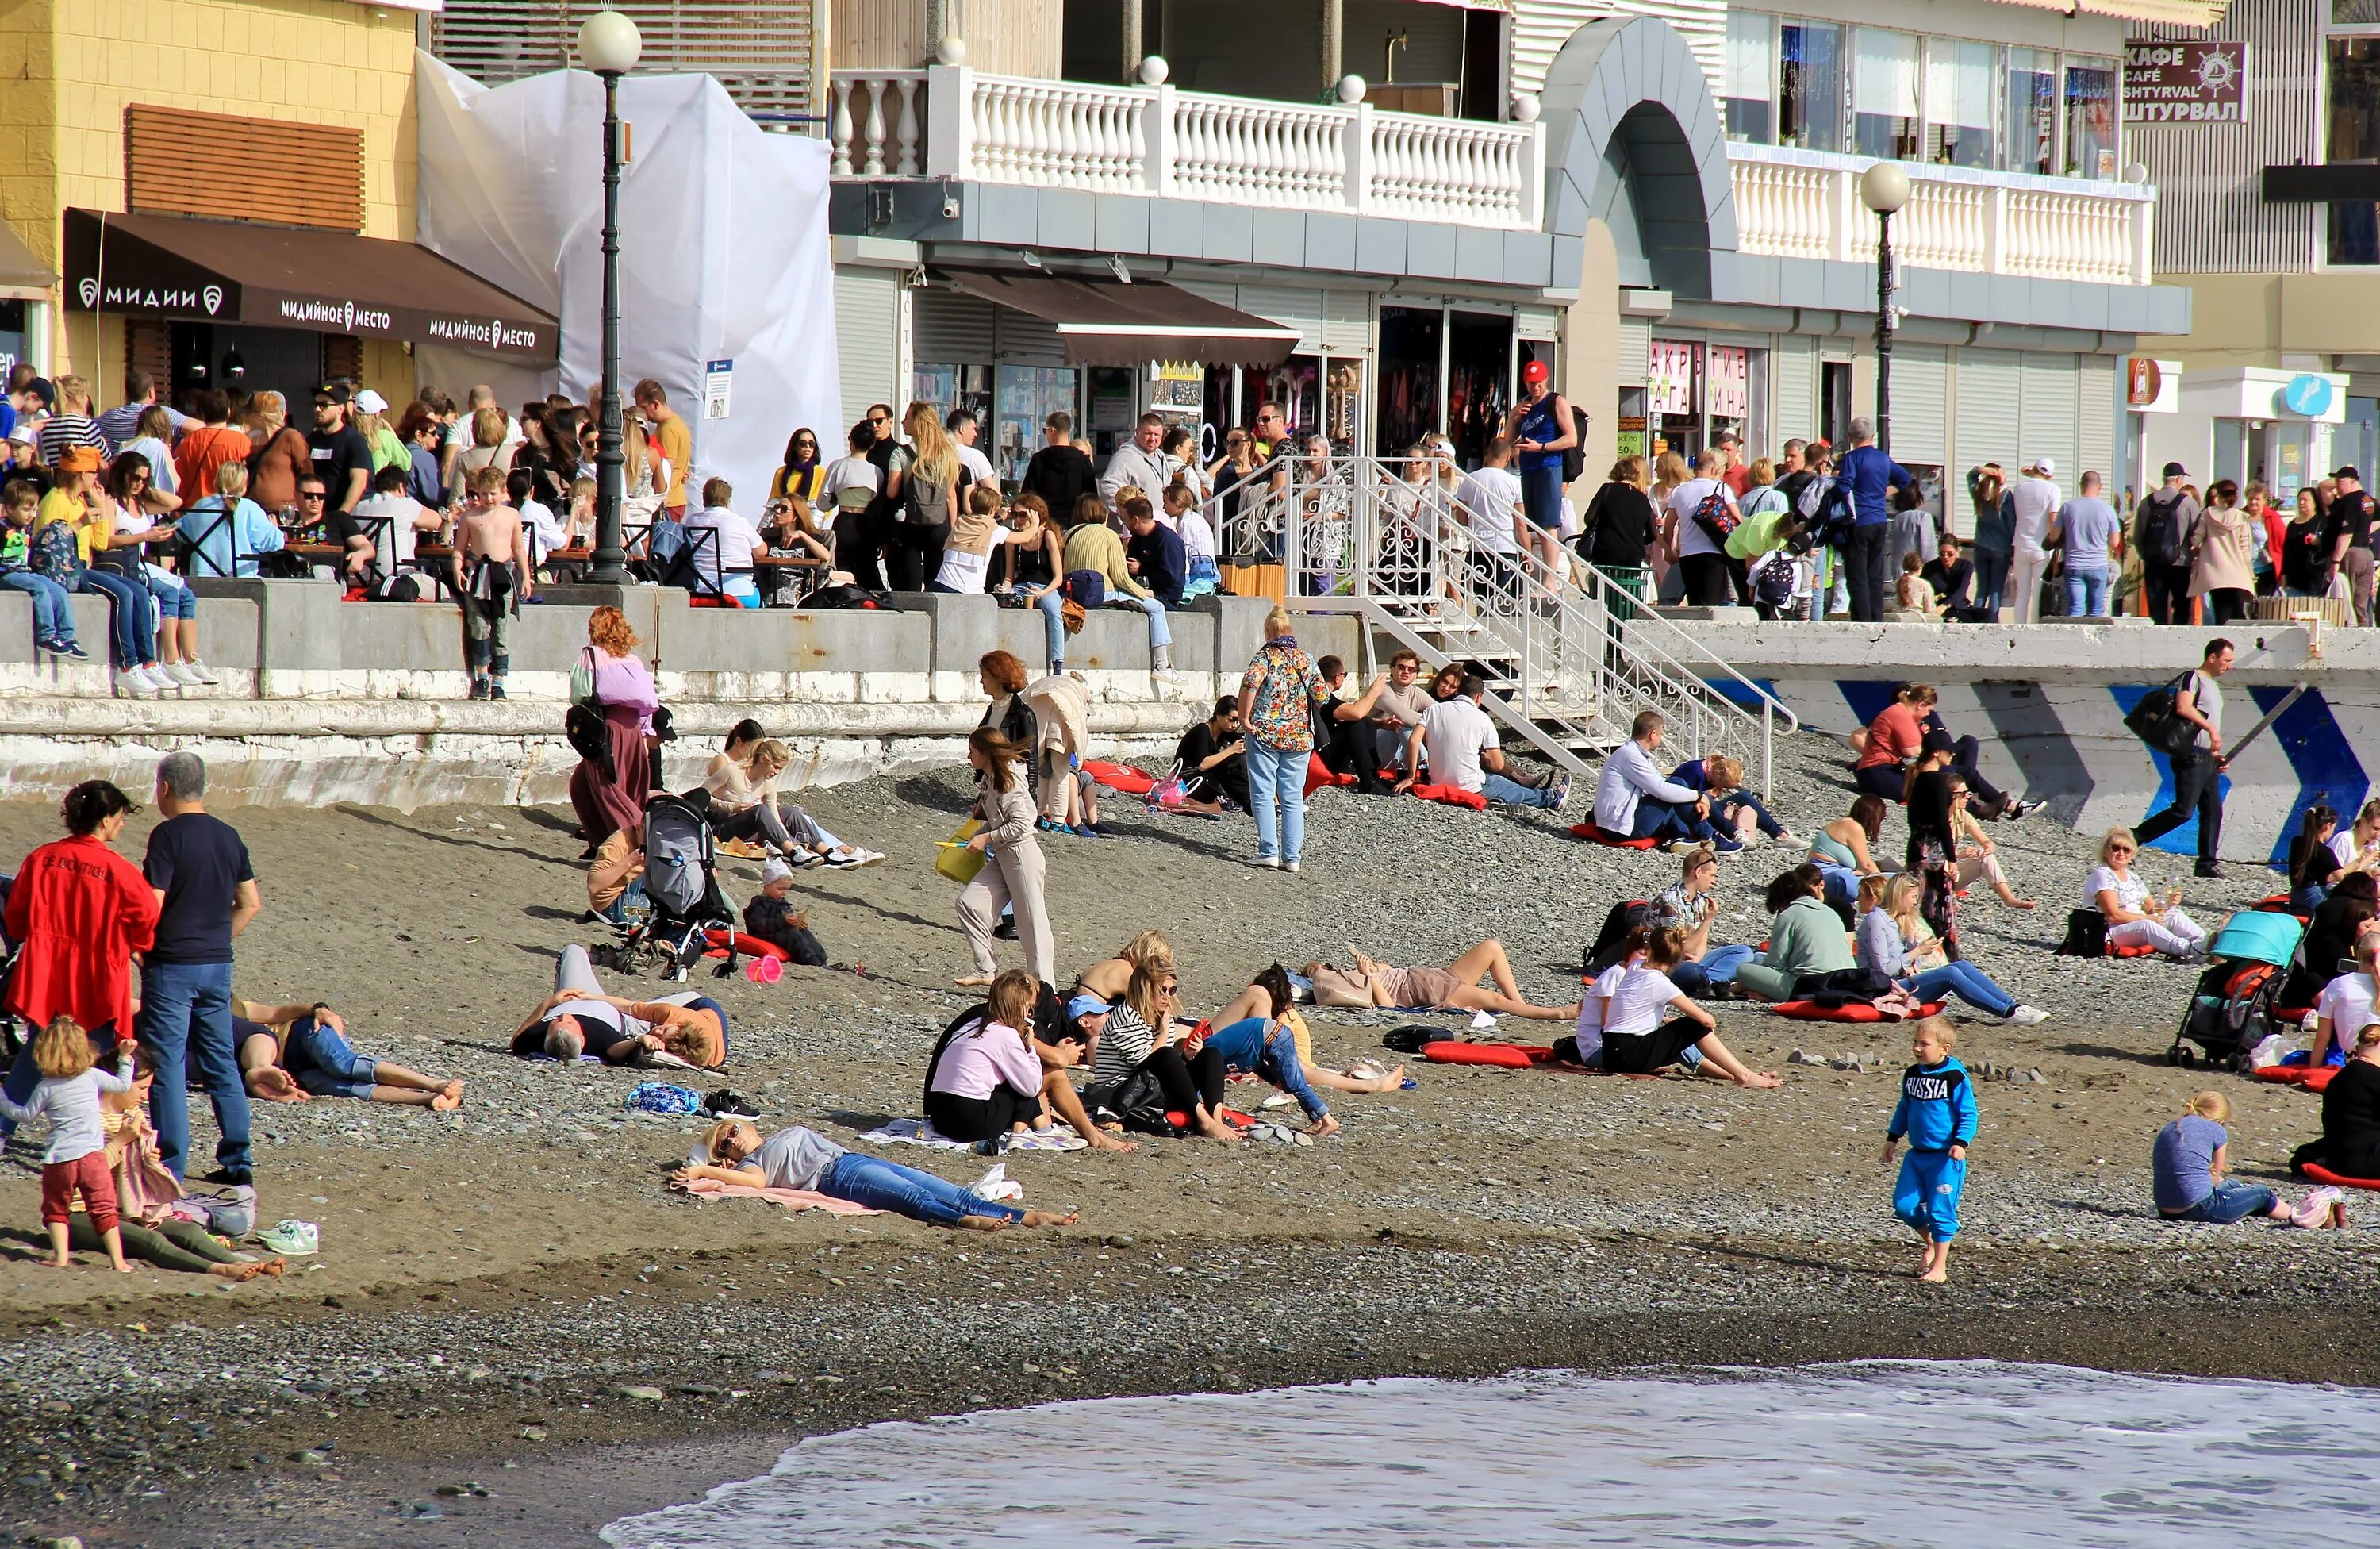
point(1638, 1042)
point(733, 1152)
point(289, 1053)
point(996, 1078)
point(579, 1018)
point(1109, 978)
point(1456, 987)
point(1271, 988)
point(1135, 1035)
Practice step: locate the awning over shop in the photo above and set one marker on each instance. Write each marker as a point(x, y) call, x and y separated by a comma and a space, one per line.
point(20, 273)
point(1108, 322)
point(278, 276)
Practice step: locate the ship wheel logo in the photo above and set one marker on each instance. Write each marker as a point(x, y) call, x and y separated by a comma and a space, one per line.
point(2218, 72)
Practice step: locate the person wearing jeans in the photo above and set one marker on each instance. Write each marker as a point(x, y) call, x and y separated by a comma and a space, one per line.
point(1871, 477)
point(1632, 801)
point(2197, 786)
point(198, 863)
point(1267, 1049)
point(734, 1152)
point(1885, 934)
point(1512, 793)
point(53, 629)
point(882, 1185)
point(1280, 696)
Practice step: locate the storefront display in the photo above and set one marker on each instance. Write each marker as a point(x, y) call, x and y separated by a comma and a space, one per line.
point(1478, 381)
point(1412, 344)
point(1028, 397)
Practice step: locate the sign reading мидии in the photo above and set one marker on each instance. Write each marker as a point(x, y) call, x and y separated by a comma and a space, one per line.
point(2185, 83)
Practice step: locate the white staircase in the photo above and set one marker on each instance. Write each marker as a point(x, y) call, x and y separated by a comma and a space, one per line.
point(1571, 660)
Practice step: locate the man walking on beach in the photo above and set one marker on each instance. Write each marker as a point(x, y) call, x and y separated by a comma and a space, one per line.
point(2197, 784)
point(206, 894)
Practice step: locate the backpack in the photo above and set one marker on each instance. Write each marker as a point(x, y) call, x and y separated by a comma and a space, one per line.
point(1716, 517)
point(1773, 587)
point(1826, 506)
point(1086, 589)
point(2086, 934)
point(53, 552)
point(924, 504)
point(2159, 531)
point(1574, 455)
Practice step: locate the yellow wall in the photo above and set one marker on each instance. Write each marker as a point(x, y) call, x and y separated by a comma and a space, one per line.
point(70, 68)
point(2252, 320)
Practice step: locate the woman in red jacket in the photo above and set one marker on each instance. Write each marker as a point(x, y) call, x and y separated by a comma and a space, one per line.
point(81, 912)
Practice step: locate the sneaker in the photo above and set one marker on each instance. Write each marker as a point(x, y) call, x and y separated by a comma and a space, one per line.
point(2208, 869)
point(803, 859)
point(1005, 929)
point(132, 683)
point(201, 671)
point(479, 687)
point(1727, 846)
point(1050, 825)
point(156, 677)
point(68, 650)
point(495, 690)
point(179, 674)
point(867, 856)
point(2025, 809)
point(1792, 840)
point(1100, 830)
point(1265, 862)
point(1562, 797)
point(236, 1176)
point(1289, 866)
point(1171, 678)
point(844, 861)
point(2027, 1016)
point(1087, 831)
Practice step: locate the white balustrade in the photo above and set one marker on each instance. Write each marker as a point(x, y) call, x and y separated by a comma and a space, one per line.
point(1064, 134)
point(1792, 203)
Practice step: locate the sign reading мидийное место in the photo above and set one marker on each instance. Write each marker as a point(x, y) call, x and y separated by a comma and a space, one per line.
point(2185, 83)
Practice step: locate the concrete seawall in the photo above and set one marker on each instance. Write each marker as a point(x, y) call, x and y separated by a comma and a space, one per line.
point(325, 702)
point(2048, 703)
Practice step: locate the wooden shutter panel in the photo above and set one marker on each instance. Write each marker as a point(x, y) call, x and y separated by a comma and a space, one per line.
point(149, 347)
point(178, 161)
point(342, 358)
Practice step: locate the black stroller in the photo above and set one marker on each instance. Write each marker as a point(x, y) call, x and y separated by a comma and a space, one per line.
point(682, 884)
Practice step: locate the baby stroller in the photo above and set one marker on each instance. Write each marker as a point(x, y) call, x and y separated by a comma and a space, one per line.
point(682, 884)
point(2237, 1003)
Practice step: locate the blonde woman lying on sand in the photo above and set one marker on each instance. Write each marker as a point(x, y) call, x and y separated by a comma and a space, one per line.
point(1452, 988)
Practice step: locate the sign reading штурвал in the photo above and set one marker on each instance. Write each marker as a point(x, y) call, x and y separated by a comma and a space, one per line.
point(2185, 83)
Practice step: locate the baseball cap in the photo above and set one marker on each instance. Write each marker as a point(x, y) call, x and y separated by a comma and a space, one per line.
point(2175, 471)
point(44, 389)
point(2348, 472)
point(2043, 465)
point(371, 402)
point(774, 870)
point(1081, 1005)
point(21, 433)
point(334, 391)
point(1535, 370)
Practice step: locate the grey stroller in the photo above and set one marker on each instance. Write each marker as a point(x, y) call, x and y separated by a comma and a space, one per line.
point(682, 884)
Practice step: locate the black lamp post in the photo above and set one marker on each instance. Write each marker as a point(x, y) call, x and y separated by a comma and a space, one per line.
point(1884, 189)
point(609, 44)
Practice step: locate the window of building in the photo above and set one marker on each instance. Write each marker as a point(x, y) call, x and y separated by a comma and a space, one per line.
point(1886, 110)
point(1961, 82)
point(2353, 79)
point(2090, 116)
point(2032, 111)
point(1810, 86)
point(1751, 70)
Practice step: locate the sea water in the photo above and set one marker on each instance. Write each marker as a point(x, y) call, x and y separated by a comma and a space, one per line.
point(1863, 1454)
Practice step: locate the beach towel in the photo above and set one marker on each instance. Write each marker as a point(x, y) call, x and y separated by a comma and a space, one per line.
point(1853, 1011)
point(1453, 796)
point(792, 1199)
point(2313, 1078)
point(1119, 776)
point(1593, 834)
point(1514, 1056)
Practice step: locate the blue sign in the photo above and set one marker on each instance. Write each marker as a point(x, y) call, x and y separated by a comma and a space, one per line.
point(2309, 394)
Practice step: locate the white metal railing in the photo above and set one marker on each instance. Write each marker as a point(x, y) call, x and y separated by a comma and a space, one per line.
point(950, 121)
point(1573, 658)
point(1796, 204)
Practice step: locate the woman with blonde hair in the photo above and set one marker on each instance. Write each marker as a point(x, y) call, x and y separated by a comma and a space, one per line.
point(1108, 980)
point(1669, 470)
point(2124, 900)
point(1279, 695)
point(1014, 869)
point(487, 448)
point(1616, 535)
point(745, 805)
point(922, 483)
point(607, 792)
point(732, 1153)
point(1896, 943)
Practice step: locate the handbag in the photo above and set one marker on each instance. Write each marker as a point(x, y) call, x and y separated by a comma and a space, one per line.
point(957, 862)
point(2157, 722)
point(582, 678)
point(1169, 794)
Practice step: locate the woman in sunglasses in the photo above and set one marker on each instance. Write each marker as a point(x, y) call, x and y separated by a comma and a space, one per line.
point(2134, 917)
point(140, 513)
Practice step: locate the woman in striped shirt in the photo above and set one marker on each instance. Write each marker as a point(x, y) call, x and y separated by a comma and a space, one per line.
point(1136, 1033)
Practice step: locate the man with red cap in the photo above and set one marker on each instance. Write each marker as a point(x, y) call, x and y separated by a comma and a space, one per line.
point(1541, 431)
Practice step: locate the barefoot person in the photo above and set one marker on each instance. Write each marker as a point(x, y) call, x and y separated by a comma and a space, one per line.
point(1452, 988)
point(995, 1078)
point(1937, 1113)
point(800, 1158)
point(1638, 1042)
point(290, 1053)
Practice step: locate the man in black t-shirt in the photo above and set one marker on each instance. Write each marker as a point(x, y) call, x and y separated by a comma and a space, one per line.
point(1949, 575)
point(1211, 758)
point(1061, 473)
point(206, 894)
point(342, 457)
point(2350, 539)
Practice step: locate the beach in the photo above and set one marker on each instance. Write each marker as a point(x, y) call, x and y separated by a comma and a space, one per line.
point(499, 1289)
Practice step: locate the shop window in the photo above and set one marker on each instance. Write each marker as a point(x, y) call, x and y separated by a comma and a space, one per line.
point(1751, 69)
point(1885, 113)
point(2355, 13)
point(2354, 136)
point(1834, 401)
point(1961, 78)
point(2090, 116)
point(1027, 397)
point(14, 339)
point(2032, 111)
point(1478, 381)
point(1673, 393)
point(1410, 338)
point(1810, 86)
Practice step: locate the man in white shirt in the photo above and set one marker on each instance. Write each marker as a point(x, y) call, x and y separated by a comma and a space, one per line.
point(965, 429)
point(1490, 498)
point(1138, 463)
point(409, 521)
point(1457, 742)
point(724, 560)
point(1702, 556)
point(538, 520)
point(1633, 801)
point(2036, 500)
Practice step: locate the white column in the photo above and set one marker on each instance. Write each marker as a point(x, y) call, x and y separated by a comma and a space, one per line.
point(2143, 233)
point(1533, 183)
point(1996, 224)
point(1358, 160)
point(1843, 210)
point(1156, 142)
point(949, 92)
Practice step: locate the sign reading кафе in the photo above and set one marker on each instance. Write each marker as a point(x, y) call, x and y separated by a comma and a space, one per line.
point(2185, 83)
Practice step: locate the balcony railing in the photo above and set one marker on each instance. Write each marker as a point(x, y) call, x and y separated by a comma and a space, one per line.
point(1807, 205)
point(949, 121)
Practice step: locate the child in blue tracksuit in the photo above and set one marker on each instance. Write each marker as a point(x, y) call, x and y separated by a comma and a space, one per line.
point(1937, 1113)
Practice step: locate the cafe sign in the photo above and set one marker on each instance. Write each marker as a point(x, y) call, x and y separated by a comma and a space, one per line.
point(2185, 83)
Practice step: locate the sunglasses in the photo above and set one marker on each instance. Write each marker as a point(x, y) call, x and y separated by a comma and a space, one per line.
point(2122, 850)
point(311, 494)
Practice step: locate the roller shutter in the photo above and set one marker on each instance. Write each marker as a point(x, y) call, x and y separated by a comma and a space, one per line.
point(1794, 388)
point(1988, 405)
point(951, 329)
point(1921, 402)
point(1301, 309)
point(1021, 339)
point(2051, 404)
point(2097, 418)
point(868, 338)
point(1347, 322)
point(1635, 342)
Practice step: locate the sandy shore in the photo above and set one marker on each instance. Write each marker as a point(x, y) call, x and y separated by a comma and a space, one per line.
point(491, 1280)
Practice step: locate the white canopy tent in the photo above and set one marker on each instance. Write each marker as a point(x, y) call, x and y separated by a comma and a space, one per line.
point(724, 249)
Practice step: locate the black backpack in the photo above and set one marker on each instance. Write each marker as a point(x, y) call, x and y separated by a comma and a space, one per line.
point(924, 505)
point(1574, 455)
point(2159, 532)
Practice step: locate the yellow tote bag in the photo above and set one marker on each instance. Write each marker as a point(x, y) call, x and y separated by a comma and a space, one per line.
point(956, 861)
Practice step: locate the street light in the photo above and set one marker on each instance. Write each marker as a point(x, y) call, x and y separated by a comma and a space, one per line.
point(1884, 189)
point(609, 44)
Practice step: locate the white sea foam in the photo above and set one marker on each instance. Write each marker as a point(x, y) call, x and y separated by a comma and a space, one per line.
point(1866, 1454)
